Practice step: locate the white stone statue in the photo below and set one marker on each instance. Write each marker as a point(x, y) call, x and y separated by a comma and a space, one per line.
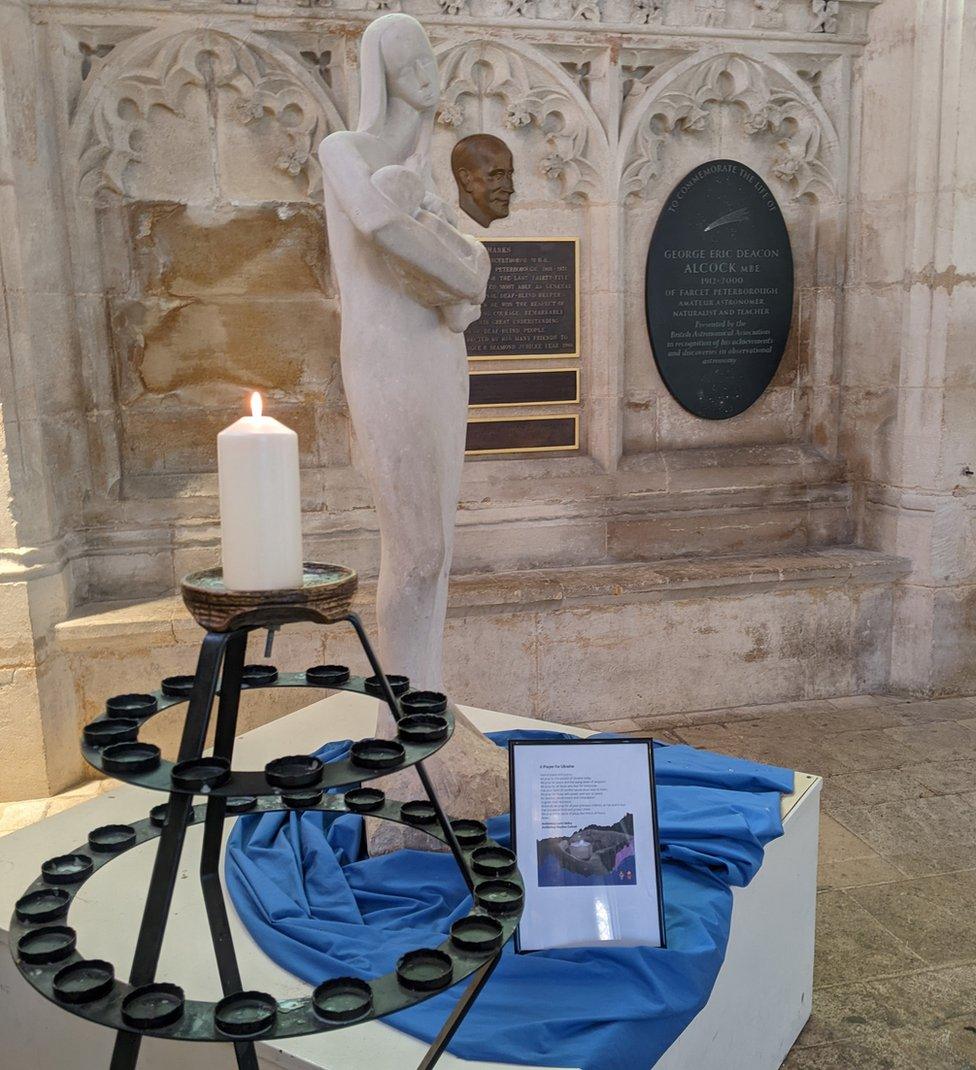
point(409, 283)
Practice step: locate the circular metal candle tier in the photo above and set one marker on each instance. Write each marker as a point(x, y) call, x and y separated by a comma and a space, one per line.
point(126, 758)
point(324, 597)
point(46, 956)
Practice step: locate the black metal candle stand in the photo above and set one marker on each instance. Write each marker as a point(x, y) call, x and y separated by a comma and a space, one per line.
point(44, 945)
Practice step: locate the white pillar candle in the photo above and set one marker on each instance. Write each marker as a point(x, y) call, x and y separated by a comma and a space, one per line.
point(260, 503)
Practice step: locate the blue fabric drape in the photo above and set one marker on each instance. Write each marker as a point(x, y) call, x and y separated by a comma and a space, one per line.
point(320, 908)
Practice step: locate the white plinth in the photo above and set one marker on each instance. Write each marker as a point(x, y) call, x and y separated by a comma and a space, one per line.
point(760, 1001)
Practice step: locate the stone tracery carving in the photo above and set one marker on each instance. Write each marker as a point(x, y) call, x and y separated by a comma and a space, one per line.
point(533, 98)
point(825, 16)
point(648, 12)
point(768, 14)
point(711, 12)
point(211, 59)
point(90, 54)
point(771, 105)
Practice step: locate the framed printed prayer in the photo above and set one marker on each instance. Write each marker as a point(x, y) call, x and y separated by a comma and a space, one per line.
point(584, 828)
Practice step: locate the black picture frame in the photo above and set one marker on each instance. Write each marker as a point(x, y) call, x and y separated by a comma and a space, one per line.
point(648, 742)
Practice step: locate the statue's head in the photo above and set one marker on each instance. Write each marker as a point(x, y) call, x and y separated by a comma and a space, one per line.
point(483, 169)
point(397, 63)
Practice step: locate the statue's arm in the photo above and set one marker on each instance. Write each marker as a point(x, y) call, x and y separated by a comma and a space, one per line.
point(377, 218)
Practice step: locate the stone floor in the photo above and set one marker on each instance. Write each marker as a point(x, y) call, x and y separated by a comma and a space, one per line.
point(895, 972)
point(895, 975)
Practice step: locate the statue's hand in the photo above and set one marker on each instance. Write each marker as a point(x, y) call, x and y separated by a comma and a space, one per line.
point(439, 207)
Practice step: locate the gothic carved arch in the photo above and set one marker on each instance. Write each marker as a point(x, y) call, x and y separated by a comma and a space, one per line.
point(773, 101)
point(538, 97)
point(154, 71)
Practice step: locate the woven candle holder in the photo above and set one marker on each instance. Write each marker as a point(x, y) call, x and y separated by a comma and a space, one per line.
point(325, 597)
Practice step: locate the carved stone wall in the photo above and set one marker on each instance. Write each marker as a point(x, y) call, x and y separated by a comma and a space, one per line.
point(162, 201)
point(197, 239)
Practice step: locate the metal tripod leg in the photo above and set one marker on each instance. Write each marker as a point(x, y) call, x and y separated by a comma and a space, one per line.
point(213, 838)
point(421, 772)
point(470, 994)
point(480, 978)
point(160, 896)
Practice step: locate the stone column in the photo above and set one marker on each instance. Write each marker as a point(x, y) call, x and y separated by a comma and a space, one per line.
point(910, 397)
point(42, 431)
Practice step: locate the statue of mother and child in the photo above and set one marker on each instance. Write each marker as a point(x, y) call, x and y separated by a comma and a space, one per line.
point(409, 284)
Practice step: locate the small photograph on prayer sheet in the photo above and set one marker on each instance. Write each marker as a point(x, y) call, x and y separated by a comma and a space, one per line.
point(584, 829)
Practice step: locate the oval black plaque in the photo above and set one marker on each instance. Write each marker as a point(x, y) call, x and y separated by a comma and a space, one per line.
point(719, 289)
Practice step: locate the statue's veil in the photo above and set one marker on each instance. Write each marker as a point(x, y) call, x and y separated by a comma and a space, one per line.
point(373, 90)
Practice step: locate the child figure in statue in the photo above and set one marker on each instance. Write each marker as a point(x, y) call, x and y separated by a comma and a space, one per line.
point(409, 282)
point(406, 190)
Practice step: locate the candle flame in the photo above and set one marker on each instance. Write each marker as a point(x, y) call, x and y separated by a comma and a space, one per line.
point(256, 405)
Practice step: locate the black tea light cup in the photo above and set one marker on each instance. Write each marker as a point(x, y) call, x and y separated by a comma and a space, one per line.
point(377, 753)
point(131, 705)
point(153, 1006)
point(418, 812)
point(398, 685)
point(84, 981)
point(493, 861)
point(423, 702)
point(46, 904)
point(67, 869)
point(499, 897)
point(477, 933)
point(425, 970)
point(327, 675)
point(241, 804)
point(343, 999)
point(294, 771)
point(110, 839)
point(177, 686)
point(364, 800)
point(41, 947)
point(469, 833)
point(245, 1014)
point(127, 759)
point(422, 728)
point(302, 798)
point(200, 774)
point(258, 675)
point(110, 730)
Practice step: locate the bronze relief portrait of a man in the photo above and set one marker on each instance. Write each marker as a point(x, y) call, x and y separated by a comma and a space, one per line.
point(484, 170)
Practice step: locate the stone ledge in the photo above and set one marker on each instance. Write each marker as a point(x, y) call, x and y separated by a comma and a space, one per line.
point(167, 621)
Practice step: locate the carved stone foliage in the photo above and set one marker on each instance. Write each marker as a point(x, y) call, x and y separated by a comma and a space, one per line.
point(121, 111)
point(648, 12)
point(768, 14)
point(771, 107)
point(825, 14)
point(536, 100)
